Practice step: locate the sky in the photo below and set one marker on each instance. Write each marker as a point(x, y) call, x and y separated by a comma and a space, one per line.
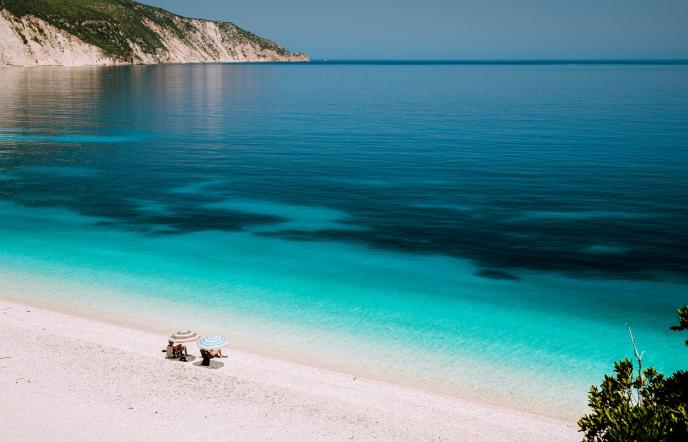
point(458, 29)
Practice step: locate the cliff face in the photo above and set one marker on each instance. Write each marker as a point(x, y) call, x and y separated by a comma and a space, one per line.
point(110, 32)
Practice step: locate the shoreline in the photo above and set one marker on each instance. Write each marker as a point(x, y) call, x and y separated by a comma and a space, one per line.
point(375, 360)
point(280, 399)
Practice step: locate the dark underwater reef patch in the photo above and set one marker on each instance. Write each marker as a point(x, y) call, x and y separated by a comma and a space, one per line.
point(650, 248)
point(496, 274)
point(499, 248)
point(645, 250)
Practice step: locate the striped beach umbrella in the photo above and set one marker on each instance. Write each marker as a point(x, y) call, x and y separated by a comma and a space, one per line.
point(212, 342)
point(184, 336)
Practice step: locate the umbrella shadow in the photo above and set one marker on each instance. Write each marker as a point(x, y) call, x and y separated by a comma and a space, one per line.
point(214, 365)
point(189, 358)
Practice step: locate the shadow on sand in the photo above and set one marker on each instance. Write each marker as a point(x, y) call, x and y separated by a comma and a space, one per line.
point(214, 365)
point(189, 358)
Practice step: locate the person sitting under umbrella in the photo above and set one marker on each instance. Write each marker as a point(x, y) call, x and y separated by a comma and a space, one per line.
point(169, 351)
point(177, 341)
point(207, 356)
point(180, 349)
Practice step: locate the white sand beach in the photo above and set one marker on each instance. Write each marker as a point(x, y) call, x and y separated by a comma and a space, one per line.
point(68, 378)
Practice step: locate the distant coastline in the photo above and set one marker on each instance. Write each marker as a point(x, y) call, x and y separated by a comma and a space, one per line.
point(107, 33)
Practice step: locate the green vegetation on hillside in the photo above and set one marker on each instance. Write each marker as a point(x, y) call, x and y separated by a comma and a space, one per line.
point(112, 24)
point(245, 35)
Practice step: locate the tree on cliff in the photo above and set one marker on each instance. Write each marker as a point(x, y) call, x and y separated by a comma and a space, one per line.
point(639, 405)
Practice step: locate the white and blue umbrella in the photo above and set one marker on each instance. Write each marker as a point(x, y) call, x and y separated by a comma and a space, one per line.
point(212, 342)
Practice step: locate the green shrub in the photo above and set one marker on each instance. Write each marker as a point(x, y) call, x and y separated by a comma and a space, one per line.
point(639, 405)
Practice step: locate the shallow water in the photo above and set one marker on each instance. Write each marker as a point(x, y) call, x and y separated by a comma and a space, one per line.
point(480, 230)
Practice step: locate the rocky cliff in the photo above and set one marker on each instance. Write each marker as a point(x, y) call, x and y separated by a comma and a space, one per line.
point(110, 32)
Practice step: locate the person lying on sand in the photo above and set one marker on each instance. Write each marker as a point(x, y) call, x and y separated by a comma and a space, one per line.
point(217, 353)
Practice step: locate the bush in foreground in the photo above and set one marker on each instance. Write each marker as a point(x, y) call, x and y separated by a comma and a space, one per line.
point(639, 405)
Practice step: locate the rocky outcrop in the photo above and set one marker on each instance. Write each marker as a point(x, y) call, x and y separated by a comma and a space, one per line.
point(30, 41)
point(159, 37)
point(209, 41)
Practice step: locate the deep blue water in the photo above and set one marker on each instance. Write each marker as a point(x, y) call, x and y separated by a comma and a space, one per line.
point(512, 216)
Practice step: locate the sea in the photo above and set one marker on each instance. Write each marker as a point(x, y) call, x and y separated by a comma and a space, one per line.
point(482, 230)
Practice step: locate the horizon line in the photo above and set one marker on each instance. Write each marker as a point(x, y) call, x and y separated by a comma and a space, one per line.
point(506, 60)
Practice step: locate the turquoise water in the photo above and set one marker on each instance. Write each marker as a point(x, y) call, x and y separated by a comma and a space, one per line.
point(479, 230)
